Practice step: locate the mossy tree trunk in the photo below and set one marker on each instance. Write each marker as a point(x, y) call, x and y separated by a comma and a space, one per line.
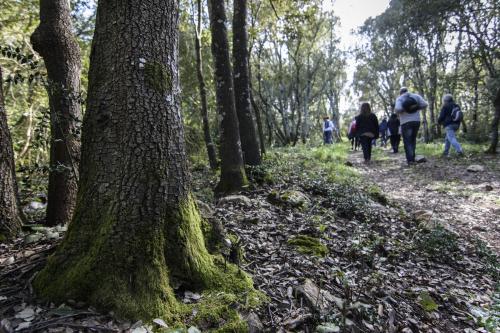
point(212, 154)
point(248, 134)
point(136, 227)
point(53, 39)
point(233, 175)
point(10, 219)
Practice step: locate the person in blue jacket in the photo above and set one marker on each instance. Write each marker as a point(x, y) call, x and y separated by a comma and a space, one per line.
point(450, 118)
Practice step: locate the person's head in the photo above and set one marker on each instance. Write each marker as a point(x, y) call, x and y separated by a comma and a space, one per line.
point(394, 116)
point(365, 109)
point(447, 99)
point(325, 118)
point(403, 90)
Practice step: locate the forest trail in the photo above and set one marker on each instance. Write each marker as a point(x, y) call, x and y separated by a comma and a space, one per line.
point(441, 190)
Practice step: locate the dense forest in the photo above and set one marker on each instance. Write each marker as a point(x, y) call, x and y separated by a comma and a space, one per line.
point(185, 166)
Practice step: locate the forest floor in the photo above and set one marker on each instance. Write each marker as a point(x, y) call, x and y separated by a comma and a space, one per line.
point(336, 245)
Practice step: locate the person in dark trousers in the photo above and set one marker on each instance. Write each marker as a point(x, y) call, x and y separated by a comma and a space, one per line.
point(368, 129)
point(327, 131)
point(383, 132)
point(393, 128)
point(352, 135)
point(450, 120)
point(408, 107)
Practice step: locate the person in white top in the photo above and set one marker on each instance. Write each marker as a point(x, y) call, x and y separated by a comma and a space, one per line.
point(327, 131)
point(408, 107)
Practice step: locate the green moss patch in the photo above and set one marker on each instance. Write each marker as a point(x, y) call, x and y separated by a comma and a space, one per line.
point(309, 245)
point(427, 302)
point(158, 77)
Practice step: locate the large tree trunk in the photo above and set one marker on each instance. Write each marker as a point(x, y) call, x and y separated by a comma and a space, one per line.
point(494, 125)
point(10, 219)
point(232, 176)
point(55, 42)
point(136, 227)
point(248, 134)
point(212, 154)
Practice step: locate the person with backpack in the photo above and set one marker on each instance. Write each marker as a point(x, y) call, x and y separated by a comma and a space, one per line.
point(408, 106)
point(352, 135)
point(327, 130)
point(383, 132)
point(393, 126)
point(368, 129)
point(450, 118)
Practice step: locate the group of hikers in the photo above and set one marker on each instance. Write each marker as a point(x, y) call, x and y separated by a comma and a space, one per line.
point(404, 123)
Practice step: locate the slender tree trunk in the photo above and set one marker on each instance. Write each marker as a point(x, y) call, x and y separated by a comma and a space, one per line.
point(258, 118)
point(212, 154)
point(494, 125)
point(55, 42)
point(10, 218)
point(136, 226)
point(248, 134)
point(233, 176)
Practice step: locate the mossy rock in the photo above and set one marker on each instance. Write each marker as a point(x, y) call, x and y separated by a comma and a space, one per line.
point(290, 198)
point(309, 245)
point(376, 194)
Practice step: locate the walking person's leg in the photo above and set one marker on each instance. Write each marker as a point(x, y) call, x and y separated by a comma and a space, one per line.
point(414, 132)
point(366, 143)
point(369, 153)
point(406, 132)
point(452, 139)
point(398, 141)
point(446, 144)
point(392, 138)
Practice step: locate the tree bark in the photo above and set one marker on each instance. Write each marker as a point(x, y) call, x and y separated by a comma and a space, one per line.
point(10, 219)
point(212, 154)
point(54, 41)
point(136, 226)
point(248, 134)
point(233, 176)
point(494, 125)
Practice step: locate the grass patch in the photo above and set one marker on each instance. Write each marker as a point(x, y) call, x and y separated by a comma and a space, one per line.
point(439, 244)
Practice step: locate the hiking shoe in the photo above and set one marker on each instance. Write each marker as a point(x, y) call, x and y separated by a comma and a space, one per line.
point(461, 154)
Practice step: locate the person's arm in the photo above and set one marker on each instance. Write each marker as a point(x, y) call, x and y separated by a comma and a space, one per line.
point(422, 103)
point(377, 126)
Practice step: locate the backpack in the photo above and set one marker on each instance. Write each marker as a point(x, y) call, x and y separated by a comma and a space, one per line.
point(456, 114)
point(410, 104)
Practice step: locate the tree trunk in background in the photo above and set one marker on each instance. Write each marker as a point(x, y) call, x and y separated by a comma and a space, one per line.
point(494, 125)
point(55, 42)
point(136, 225)
point(248, 134)
point(233, 176)
point(212, 154)
point(10, 219)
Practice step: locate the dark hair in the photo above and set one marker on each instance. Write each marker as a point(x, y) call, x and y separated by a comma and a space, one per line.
point(365, 109)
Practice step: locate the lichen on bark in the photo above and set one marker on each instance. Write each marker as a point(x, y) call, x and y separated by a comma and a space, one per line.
point(158, 77)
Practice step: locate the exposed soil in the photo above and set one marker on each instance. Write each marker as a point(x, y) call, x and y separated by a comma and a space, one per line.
point(467, 202)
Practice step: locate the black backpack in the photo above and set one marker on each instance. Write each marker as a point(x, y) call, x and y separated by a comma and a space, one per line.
point(410, 104)
point(456, 114)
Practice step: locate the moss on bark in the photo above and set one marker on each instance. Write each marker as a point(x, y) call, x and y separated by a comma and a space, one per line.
point(134, 281)
point(232, 181)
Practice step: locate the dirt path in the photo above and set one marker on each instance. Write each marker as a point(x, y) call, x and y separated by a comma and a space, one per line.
point(466, 202)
